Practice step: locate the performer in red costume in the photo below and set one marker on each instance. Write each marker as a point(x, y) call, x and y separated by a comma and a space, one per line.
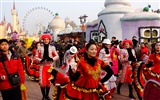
point(85, 82)
point(127, 58)
point(45, 54)
point(70, 59)
point(32, 66)
point(144, 52)
point(105, 55)
point(151, 70)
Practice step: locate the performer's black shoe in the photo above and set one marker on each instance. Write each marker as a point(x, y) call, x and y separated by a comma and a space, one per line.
point(130, 91)
point(48, 98)
point(118, 92)
point(118, 88)
point(43, 98)
point(131, 96)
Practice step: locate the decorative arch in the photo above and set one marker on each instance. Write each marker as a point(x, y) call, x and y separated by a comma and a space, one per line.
point(102, 28)
point(100, 34)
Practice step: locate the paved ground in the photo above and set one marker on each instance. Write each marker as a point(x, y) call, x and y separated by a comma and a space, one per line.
point(35, 94)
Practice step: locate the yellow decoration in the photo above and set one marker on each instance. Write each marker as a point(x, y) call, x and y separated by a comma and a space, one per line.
point(51, 78)
point(23, 87)
point(114, 55)
point(23, 92)
point(55, 88)
point(8, 39)
point(28, 41)
point(95, 73)
point(50, 69)
point(85, 90)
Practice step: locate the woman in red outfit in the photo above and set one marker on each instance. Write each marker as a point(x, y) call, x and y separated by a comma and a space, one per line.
point(127, 58)
point(13, 64)
point(151, 70)
point(45, 55)
point(85, 83)
point(144, 52)
point(32, 66)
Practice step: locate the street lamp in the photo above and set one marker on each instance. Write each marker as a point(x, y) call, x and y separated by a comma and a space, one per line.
point(83, 19)
point(83, 27)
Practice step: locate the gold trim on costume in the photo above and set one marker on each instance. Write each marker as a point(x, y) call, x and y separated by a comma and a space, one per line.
point(153, 74)
point(55, 88)
point(51, 78)
point(85, 90)
point(114, 55)
point(50, 69)
point(95, 73)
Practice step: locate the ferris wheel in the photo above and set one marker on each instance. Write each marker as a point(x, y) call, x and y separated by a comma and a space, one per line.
point(37, 20)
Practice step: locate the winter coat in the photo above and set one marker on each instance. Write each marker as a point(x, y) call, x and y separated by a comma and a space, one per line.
point(13, 65)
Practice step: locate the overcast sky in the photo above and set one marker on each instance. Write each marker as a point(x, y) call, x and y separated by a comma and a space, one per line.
point(65, 8)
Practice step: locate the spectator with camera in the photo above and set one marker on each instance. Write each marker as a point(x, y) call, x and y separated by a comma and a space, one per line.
point(11, 72)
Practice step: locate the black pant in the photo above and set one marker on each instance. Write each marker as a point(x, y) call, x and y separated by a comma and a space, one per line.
point(11, 94)
point(22, 59)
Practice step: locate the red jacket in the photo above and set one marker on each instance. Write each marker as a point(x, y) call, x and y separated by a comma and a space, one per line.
point(13, 65)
